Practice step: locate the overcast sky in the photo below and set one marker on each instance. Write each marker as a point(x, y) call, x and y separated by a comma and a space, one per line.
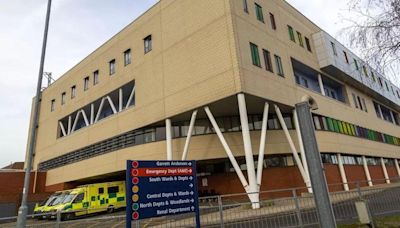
point(76, 29)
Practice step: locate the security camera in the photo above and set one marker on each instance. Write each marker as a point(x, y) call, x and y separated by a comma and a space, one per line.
point(311, 102)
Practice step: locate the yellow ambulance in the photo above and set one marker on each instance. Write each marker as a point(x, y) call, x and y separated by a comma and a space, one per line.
point(92, 198)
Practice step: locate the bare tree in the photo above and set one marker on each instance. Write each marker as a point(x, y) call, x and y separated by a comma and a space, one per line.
point(374, 30)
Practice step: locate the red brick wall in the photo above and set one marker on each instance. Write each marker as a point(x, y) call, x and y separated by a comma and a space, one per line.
point(376, 173)
point(13, 182)
point(355, 173)
point(392, 172)
point(333, 177)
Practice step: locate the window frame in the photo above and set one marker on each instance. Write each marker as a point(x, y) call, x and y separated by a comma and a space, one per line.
point(300, 37)
point(63, 97)
point(308, 44)
point(96, 78)
point(245, 6)
point(272, 19)
point(127, 57)
point(112, 66)
point(259, 12)
point(267, 60)
point(52, 105)
point(279, 65)
point(255, 55)
point(73, 91)
point(291, 33)
point(148, 44)
point(86, 82)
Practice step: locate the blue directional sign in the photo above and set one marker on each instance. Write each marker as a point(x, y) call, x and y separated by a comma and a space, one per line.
point(160, 188)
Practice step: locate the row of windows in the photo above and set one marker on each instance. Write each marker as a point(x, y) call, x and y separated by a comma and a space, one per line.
point(338, 126)
point(355, 160)
point(255, 57)
point(299, 37)
point(365, 71)
point(259, 13)
point(386, 114)
point(203, 127)
point(112, 69)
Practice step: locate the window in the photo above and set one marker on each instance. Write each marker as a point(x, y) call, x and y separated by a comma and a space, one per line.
point(114, 189)
point(334, 48)
point(279, 66)
point(267, 60)
point(291, 33)
point(373, 76)
point(364, 104)
point(245, 8)
point(345, 57)
point(254, 55)
point(380, 81)
point(86, 83)
point(365, 71)
point(79, 198)
point(112, 67)
point(259, 12)
point(101, 190)
point(308, 44)
point(63, 95)
point(73, 92)
point(127, 57)
point(300, 37)
point(387, 87)
point(273, 23)
point(355, 101)
point(398, 94)
point(356, 64)
point(52, 105)
point(96, 77)
point(147, 44)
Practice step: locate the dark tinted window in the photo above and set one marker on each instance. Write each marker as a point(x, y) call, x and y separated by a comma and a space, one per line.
point(114, 189)
point(101, 190)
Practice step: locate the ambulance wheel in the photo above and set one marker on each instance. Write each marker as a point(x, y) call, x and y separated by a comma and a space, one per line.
point(67, 216)
point(110, 209)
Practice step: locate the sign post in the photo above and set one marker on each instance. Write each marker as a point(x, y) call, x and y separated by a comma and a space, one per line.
point(160, 188)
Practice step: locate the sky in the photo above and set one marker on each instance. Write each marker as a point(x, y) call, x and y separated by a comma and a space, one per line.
point(76, 29)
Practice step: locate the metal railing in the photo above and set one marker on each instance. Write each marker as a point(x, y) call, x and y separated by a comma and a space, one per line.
point(293, 207)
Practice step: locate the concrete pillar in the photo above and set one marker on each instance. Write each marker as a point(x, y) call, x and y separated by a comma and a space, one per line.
point(168, 134)
point(342, 172)
point(396, 163)
point(385, 173)
point(321, 85)
point(366, 170)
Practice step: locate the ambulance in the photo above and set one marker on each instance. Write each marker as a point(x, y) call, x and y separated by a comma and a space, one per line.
point(90, 199)
point(42, 212)
point(40, 207)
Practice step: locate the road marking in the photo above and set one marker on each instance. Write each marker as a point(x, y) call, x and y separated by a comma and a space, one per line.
point(95, 224)
point(118, 224)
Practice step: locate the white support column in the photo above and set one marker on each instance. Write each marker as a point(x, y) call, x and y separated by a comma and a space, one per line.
point(380, 111)
point(321, 85)
point(111, 104)
point(85, 117)
point(130, 97)
point(227, 149)
point(69, 124)
point(120, 99)
point(64, 133)
point(302, 152)
point(100, 109)
point(366, 170)
point(291, 144)
point(248, 150)
point(385, 173)
point(75, 121)
point(342, 172)
point(263, 139)
point(396, 163)
point(189, 135)
point(91, 113)
point(168, 133)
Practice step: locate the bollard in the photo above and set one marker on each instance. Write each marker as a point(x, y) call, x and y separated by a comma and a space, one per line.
point(58, 219)
point(221, 212)
point(297, 204)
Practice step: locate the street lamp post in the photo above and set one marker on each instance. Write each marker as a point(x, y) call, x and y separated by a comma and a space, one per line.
point(23, 210)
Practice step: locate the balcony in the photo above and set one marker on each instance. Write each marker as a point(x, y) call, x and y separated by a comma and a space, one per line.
point(338, 61)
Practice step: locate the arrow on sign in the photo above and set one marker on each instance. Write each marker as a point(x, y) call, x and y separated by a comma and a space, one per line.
point(191, 192)
point(191, 185)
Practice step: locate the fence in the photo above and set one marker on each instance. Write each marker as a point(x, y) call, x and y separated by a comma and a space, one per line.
point(278, 208)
